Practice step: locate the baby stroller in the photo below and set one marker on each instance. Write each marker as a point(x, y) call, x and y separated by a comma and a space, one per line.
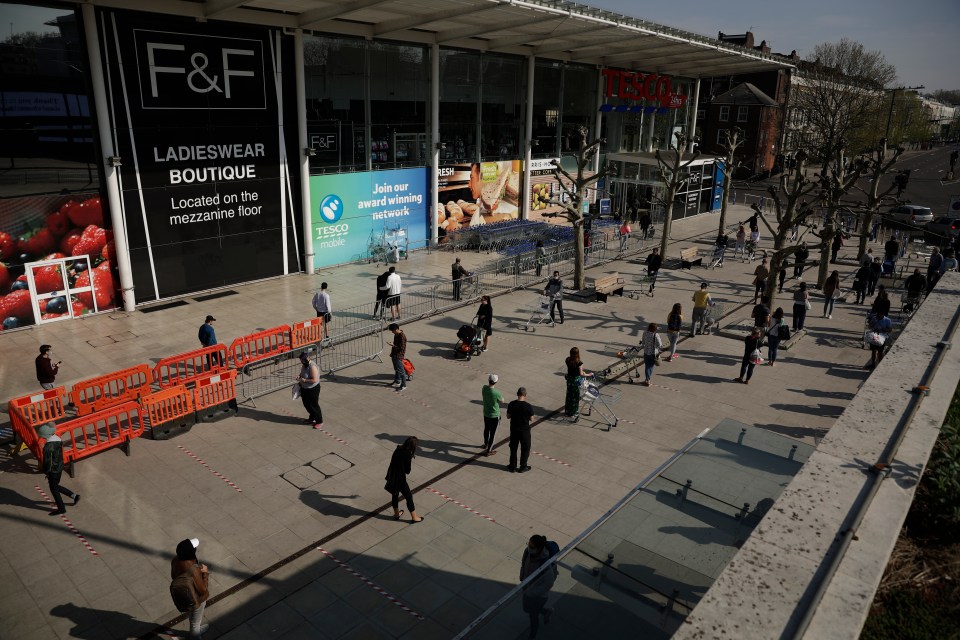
point(469, 342)
point(887, 267)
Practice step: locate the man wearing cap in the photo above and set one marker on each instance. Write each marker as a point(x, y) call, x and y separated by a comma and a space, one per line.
point(189, 586)
point(208, 338)
point(53, 467)
point(492, 398)
point(46, 369)
point(520, 414)
point(309, 380)
point(701, 299)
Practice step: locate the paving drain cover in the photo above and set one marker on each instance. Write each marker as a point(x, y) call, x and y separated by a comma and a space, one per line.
point(311, 473)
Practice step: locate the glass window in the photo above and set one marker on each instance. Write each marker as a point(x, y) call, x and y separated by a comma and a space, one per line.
point(547, 86)
point(579, 105)
point(742, 114)
point(724, 114)
point(45, 120)
point(701, 114)
point(503, 82)
point(721, 137)
point(336, 91)
point(399, 108)
point(459, 96)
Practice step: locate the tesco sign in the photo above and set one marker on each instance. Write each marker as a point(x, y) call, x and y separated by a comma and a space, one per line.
point(642, 86)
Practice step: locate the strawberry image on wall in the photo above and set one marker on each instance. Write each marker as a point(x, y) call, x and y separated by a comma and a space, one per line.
point(47, 279)
point(103, 289)
point(92, 241)
point(37, 243)
point(89, 212)
point(8, 246)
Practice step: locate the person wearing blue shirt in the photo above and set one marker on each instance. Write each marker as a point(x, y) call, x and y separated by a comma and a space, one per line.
point(882, 326)
point(208, 338)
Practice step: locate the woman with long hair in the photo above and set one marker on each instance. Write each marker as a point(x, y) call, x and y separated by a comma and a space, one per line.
point(800, 301)
point(751, 345)
point(773, 335)
point(400, 465)
point(575, 374)
point(831, 291)
point(651, 345)
point(485, 319)
point(674, 324)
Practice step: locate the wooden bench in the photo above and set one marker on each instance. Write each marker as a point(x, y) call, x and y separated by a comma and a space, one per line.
point(608, 284)
point(689, 256)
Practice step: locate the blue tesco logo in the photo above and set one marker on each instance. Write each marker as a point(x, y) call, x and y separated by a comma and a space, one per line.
point(331, 208)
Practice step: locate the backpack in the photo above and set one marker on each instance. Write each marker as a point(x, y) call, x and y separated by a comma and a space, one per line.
point(784, 331)
point(183, 590)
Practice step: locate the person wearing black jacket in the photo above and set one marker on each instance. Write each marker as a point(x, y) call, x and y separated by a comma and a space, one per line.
point(915, 285)
point(800, 258)
point(860, 283)
point(382, 295)
point(400, 464)
point(875, 270)
point(654, 262)
point(750, 344)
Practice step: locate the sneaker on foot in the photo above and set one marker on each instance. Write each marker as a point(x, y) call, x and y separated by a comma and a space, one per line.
point(76, 499)
point(318, 425)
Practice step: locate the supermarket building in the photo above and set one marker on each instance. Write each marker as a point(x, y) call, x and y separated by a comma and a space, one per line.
point(213, 143)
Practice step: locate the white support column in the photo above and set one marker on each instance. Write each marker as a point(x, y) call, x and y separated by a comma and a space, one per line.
point(598, 123)
point(110, 173)
point(651, 123)
point(692, 126)
point(528, 140)
point(299, 71)
point(434, 139)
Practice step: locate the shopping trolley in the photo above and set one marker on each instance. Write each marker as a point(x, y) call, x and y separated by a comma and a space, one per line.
point(716, 260)
point(643, 281)
point(711, 319)
point(592, 395)
point(539, 313)
point(628, 358)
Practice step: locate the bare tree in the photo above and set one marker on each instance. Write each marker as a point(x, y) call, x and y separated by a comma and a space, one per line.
point(876, 166)
point(732, 138)
point(840, 90)
point(576, 190)
point(673, 174)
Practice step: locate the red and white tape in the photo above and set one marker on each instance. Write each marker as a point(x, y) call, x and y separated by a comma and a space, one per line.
point(460, 504)
point(367, 581)
point(67, 522)
point(210, 469)
point(543, 455)
point(320, 429)
point(409, 398)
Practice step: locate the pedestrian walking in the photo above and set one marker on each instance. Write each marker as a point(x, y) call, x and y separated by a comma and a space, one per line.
point(867, 259)
point(835, 246)
point(800, 259)
point(380, 305)
point(401, 463)
point(398, 352)
point(933, 269)
point(801, 303)
point(891, 250)
point(880, 329)
point(53, 467)
point(778, 332)
point(492, 399)
point(485, 319)
point(208, 338)
point(540, 257)
point(575, 375)
point(674, 326)
point(624, 235)
point(751, 355)
point(701, 300)
point(654, 262)
point(458, 273)
point(392, 286)
point(915, 285)
point(321, 304)
point(740, 242)
point(760, 279)
point(782, 275)
point(535, 595)
point(645, 225)
point(554, 291)
point(47, 369)
point(881, 304)
point(876, 269)
point(861, 280)
point(309, 381)
point(651, 345)
point(190, 585)
point(520, 415)
point(831, 291)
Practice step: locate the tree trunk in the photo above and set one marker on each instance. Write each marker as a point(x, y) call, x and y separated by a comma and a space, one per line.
point(776, 261)
point(727, 179)
point(829, 230)
point(667, 220)
point(579, 279)
point(865, 232)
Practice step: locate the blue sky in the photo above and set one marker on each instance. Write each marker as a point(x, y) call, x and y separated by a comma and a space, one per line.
point(920, 37)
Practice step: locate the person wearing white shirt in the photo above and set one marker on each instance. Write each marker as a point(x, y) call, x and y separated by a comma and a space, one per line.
point(392, 287)
point(321, 304)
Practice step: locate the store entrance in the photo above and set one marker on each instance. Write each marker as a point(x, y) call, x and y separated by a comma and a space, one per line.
point(61, 289)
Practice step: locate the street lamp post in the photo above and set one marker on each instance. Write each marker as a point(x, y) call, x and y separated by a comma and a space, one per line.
point(893, 96)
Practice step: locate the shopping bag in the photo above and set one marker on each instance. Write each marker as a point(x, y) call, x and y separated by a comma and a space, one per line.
point(295, 391)
point(756, 357)
point(408, 366)
point(874, 338)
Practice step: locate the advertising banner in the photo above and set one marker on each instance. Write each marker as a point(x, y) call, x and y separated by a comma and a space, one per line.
point(354, 213)
point(478, 193)
point(199, 110)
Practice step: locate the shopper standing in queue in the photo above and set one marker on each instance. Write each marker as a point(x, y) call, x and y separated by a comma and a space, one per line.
point(492, 399)
point(520, 415)
point(380, 305)
point(485, 319)
point(392, 287)
point(398, 352)
point(322, 305)
point(208, 338)
point(401, 464)
point(554, 291)
point(190, 585)
point(651, 345)
point(575, 375)
point(751, 350)
point(674, 326)
point(458, 273)
point(801, 302)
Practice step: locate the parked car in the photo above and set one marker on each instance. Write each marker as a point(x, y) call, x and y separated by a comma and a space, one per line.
point(910, 214)
point(942, 229)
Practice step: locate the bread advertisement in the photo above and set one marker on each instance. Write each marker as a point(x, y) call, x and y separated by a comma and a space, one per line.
point(480, 193)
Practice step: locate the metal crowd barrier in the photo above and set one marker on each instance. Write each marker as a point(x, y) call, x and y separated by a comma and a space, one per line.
point(351, 349)
point(272, 374)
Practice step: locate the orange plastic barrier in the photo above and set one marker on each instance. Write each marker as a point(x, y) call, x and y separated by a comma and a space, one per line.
point(306, 333)
point(111, 389)
point(215, 397)
point(87, 435)
point(259, 345)
point(187, 367)
point(29, 412)
point(170, 405)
